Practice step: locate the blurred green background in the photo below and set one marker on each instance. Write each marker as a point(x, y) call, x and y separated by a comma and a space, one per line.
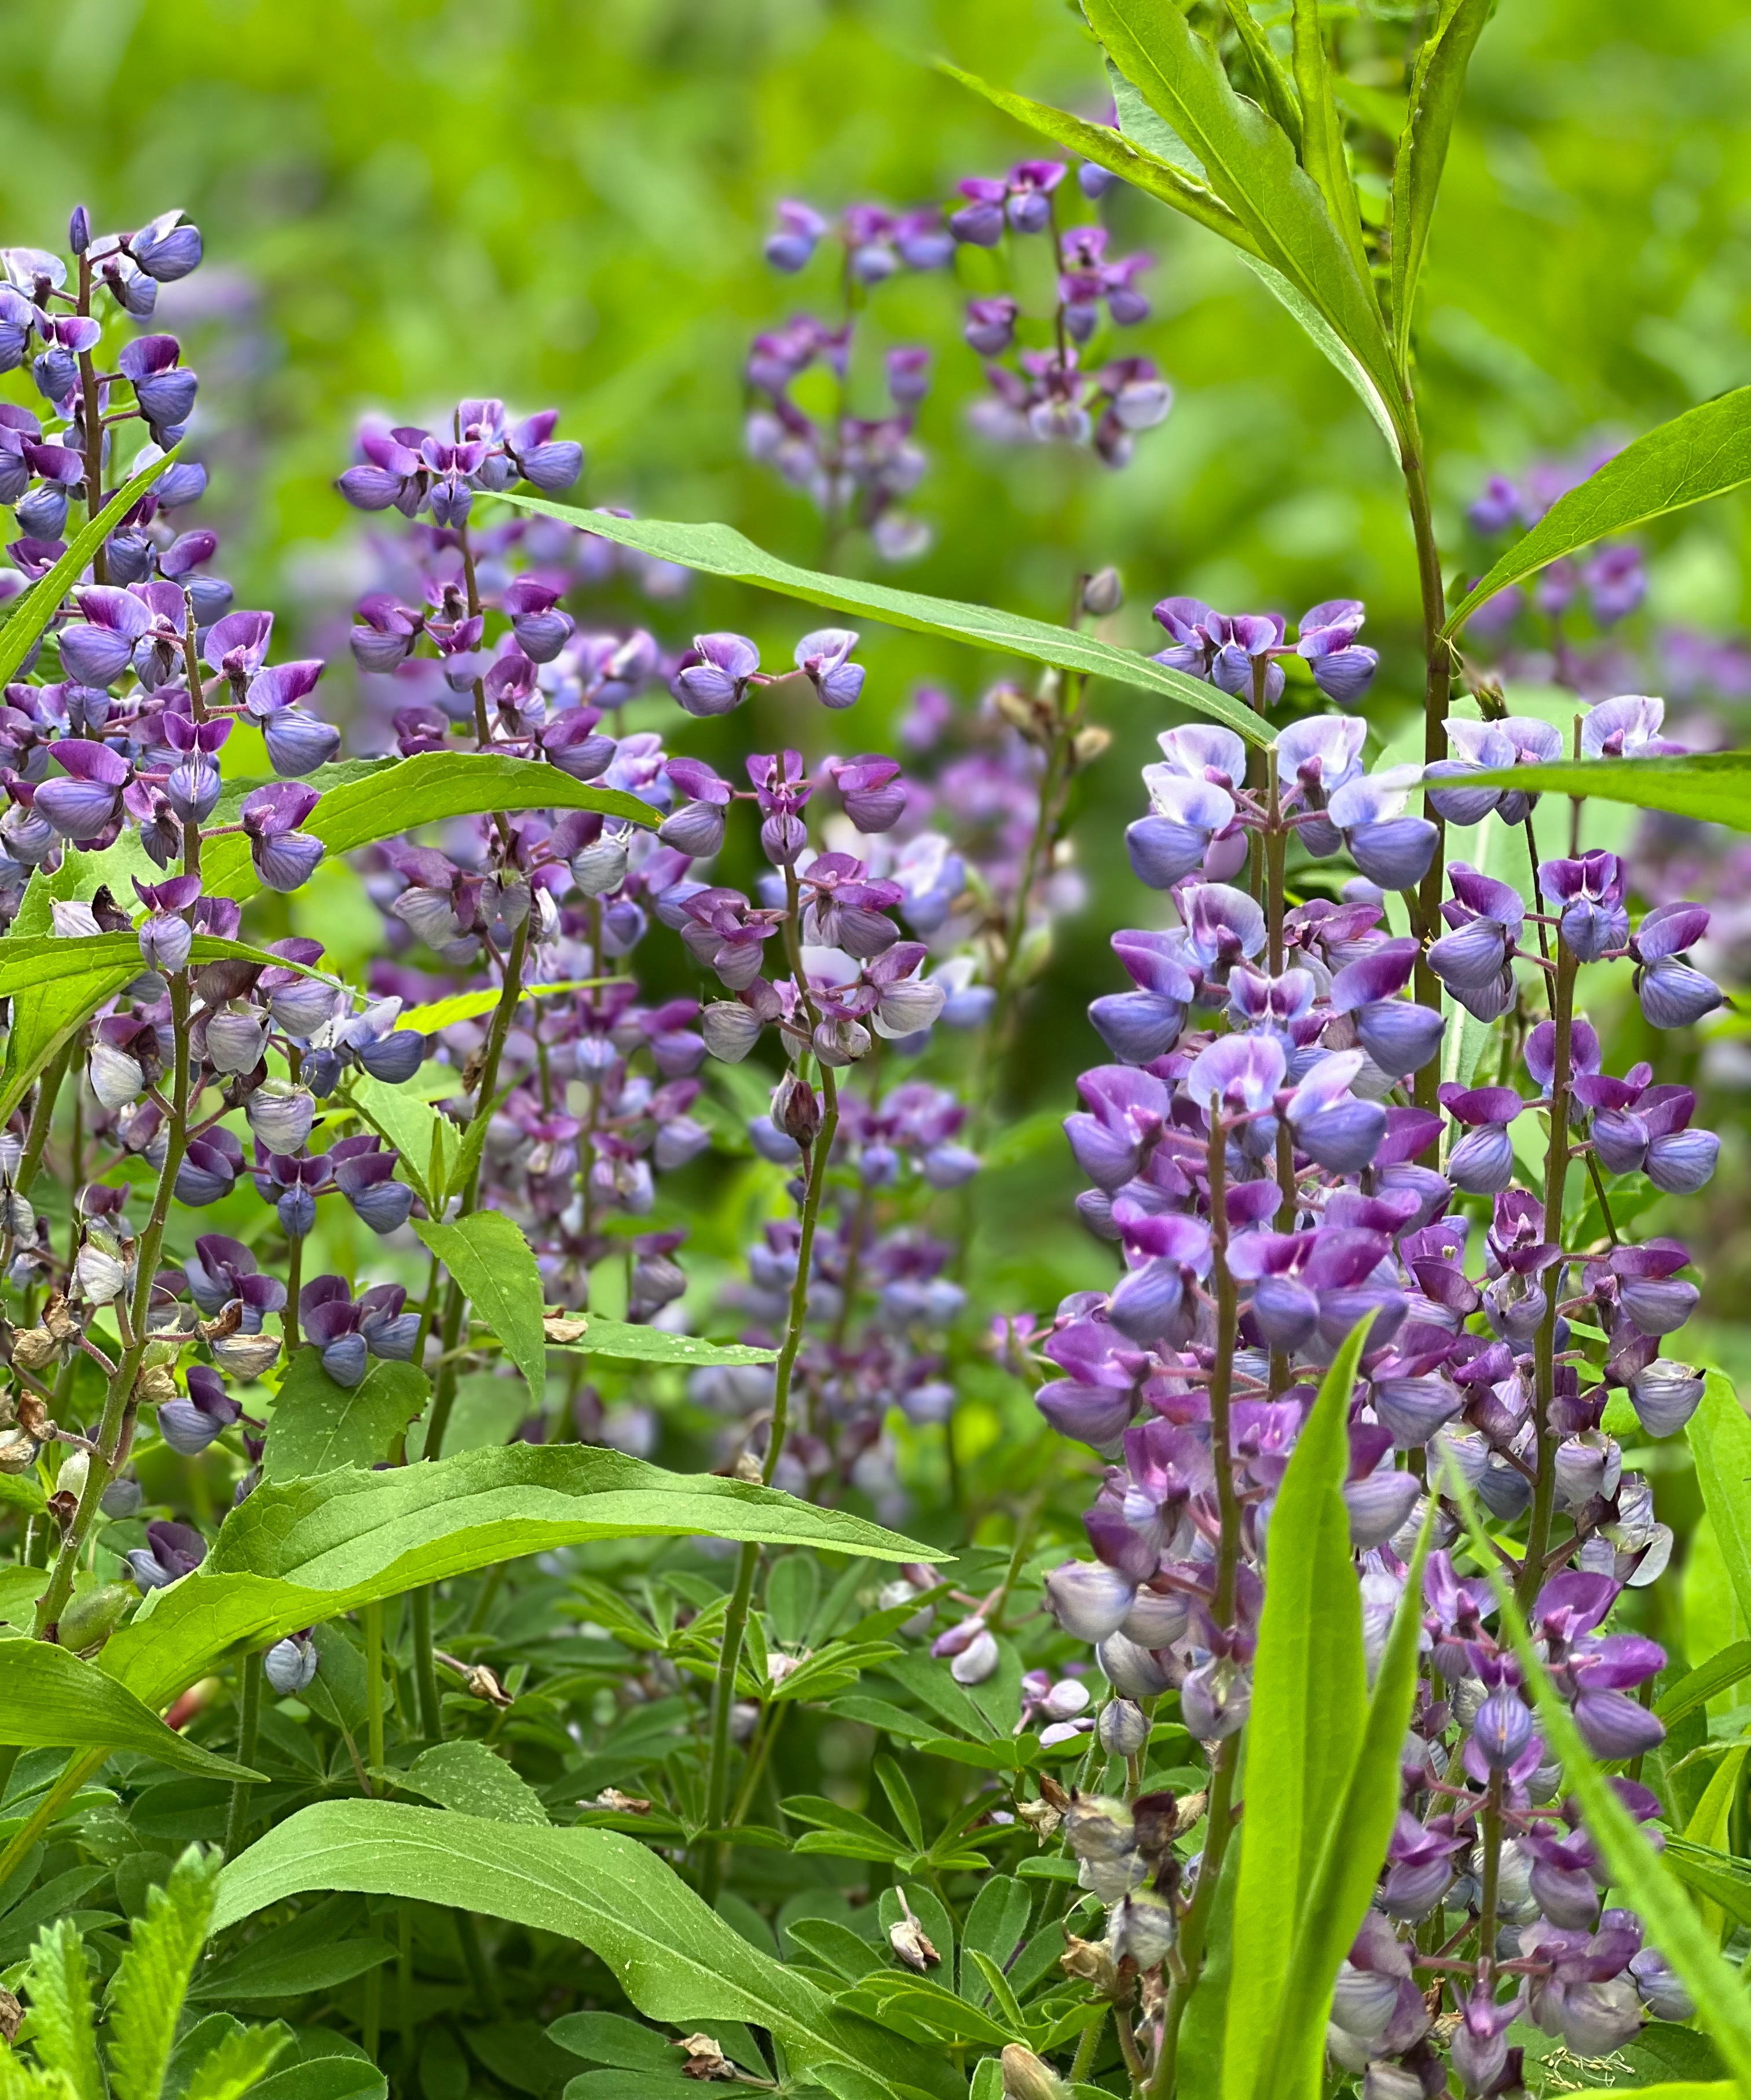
point(564, 203)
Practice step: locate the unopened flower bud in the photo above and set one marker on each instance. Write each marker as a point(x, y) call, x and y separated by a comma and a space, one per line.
point(121, 1498)
point(1029, 2077)
point(730, 1030)
point(98, 1270)
point(115, 1078)
point(1124, 1727)
point(88, 1621)
point(70, 1479)
point(1090, 743)
point(290, 1665)
point(796, 1111)
point(1103, 593)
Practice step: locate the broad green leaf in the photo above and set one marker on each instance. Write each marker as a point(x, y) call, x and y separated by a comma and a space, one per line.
point(1720, 1672)
point(430, 1143)
point(1135, 159)
point(325, 2078)
point(1322, 153)
point(49, 1697)
point(1353, 1850)
point(676, 1959)
point(1650, 1888)
point(61, 2014)
point(427, 789)
point(241, 2060)
point(55, 986)
point(20, 1491)
point(1703, 452)
point(1713, 787)
point(318, 1426)
point(264, 1971)
point(1309, 1709)
point(20, 1589)
point(466, 1776)
point(488, 1256)
point(1720, 1442)
point(1437, 83)
point(33, 612)
point(627, 1342)
point(719, 550)
point(146, 1998)
point(295, 1554)
point(1250, 163)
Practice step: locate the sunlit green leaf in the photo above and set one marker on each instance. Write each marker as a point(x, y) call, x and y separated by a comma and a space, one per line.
point(319, 1426)
point(1437, 83)
point(487, 1255)
point(48, 1696)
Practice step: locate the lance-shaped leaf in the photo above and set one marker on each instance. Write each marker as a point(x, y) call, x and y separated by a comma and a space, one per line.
point(628, 1343)
point(1309, 1708)
point(1713, 787)
point(1650, 1888)
point(719, 550)
point(1703, 452)
point(1322, 153)
point(33, 611)
point(1436, 84)
point(675, 1958)
point(469, 1005)
point(488, 1256)
point(1717, 1877)
point(56, 985)
point(1250, 163)
point(294, 1554)
point(49, 1697)
point(1719, 1434)
point(428, 789)
point(1719, 1674)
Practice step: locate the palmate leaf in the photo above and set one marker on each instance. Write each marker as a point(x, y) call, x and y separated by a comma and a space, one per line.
point(675, 1958)
point(33, 611)
point(1712, 786)
point(488, 1256)
point(1703, 452)
point(1652, 1889)
point(146, 1998)
point(49, 1697)
point(296, 1554)
point(1437, 83)
point(718, 550)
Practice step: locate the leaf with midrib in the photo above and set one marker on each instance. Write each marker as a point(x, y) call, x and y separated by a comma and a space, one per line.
point(48, 1697)
point(489, 1257)
point(1719, 1435)
point(1712, 786)
point(676, 1959)
point(626, 1342)
point(719, 550)
point(320, 1426)
point(429, 788)
point(296, 1554)
point(1703, 452)
point(1437, 83)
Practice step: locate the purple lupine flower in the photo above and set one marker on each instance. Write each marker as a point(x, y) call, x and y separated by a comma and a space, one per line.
point(85, 804)
point(189, 1425)
point(1331, 1124)
point(1673, 992)
point(781, 788)
point(799, 230)
point(1494, 747)
point(290, 1665)
point(1246, 652)
point(1482, 1162)
point(990, 325)
point(713, 675)
point(168, 249)
point(1342, 668)
point(1123, 1112)
point(1589, 894)
point(1195, 631)
point(171, 1551)
point(1397, 1033)
point(1173, 840)
point(1627, 727)
point(1391, 847)
point(165, 937)
point(1139, 1026)
point(1665, 1396)
point(1474, 961)
point(823, 657)
point(98, 651)
point(164, 390)
point(284, 857)
point(1315, 758)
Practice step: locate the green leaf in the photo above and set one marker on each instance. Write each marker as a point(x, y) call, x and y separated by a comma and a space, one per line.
point(33, 612)
point(49, 1697)
point(1720, 1672)
point(240, 2061)
point(676, 1959)
point(146, 1998)
point(1720, 1442)
point(1275, 91)
point(1309, 1709)
point(430, 1143)
point(295, 1554)
point(1250, 163)
point(325, 2078)
point(1652, 1889)
point(1322, 153)
point(61, 2015)
point(1437, 83)
point(428, 789)
point(627, 1342)
point(471, 1005)
point(996, 1925)
point(488, 1256)
point(262, 1971)
point(611, 2038)
point(56, 985)
point(719, 550)
point(1707, 1865)
point(900, 1799)
point(468, 1777)
point(1703, 452)
point(319, 1427)
point(1355, 1845)
point(1713, 787)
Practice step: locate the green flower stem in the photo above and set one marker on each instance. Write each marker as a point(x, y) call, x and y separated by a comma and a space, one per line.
point(116, 1430)
point(425, 1670)
point(1186, 1968)
point(249, 1728)
point(373, 1634)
